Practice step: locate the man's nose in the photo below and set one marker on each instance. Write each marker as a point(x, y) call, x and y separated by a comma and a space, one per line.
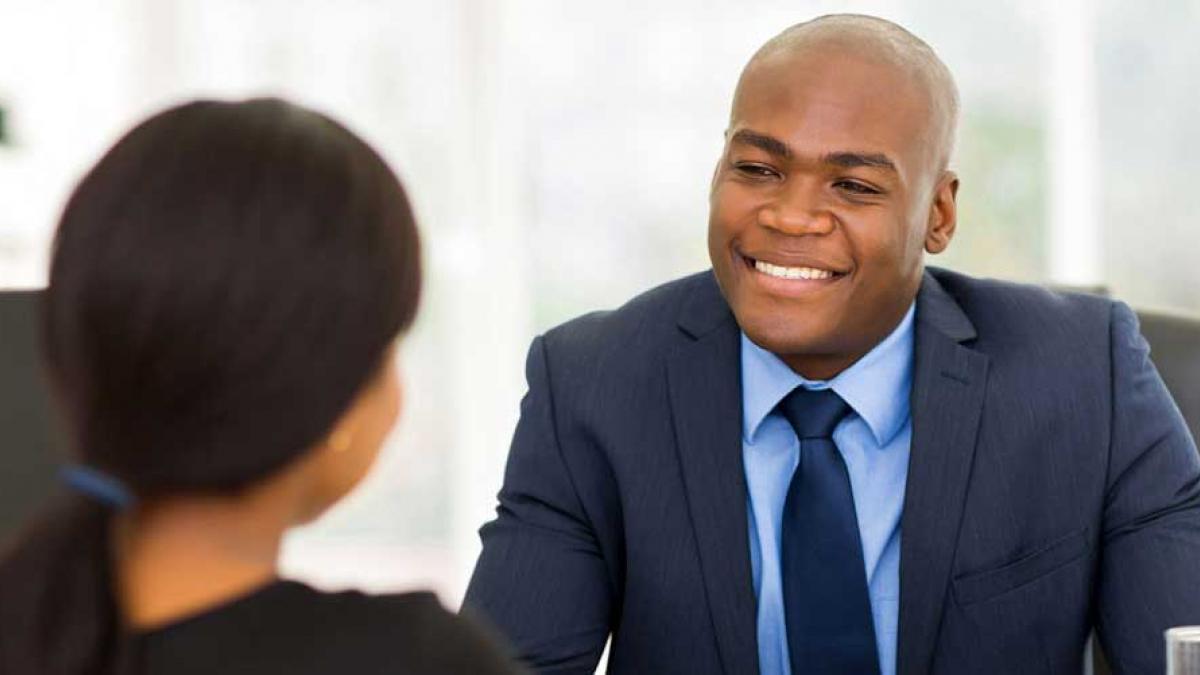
point(798, 209)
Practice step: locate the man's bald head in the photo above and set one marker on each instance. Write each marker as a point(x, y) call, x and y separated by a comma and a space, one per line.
point(878, 40)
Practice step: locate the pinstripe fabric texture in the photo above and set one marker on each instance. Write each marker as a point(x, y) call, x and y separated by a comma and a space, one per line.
point(1052, 488)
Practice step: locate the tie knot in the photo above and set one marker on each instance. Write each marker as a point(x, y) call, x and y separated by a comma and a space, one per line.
point(813, 413)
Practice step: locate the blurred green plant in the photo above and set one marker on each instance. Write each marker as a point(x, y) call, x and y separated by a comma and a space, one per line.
point(1002, 199)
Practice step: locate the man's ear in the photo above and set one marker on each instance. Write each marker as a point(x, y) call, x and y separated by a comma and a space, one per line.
point(943, 214)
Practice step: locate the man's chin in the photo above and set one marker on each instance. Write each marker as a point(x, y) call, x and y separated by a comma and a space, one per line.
point(784, 340)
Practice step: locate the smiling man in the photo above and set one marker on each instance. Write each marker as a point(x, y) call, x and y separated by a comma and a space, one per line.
point(821, 457)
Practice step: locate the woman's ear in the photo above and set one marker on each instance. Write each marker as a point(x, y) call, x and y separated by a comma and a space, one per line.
point(346, 454)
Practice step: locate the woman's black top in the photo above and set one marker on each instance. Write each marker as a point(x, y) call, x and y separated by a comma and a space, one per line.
point(288, 627)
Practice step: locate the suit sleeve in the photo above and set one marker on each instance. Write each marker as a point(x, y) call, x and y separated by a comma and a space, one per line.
point(1149, 577)
point(541, 579)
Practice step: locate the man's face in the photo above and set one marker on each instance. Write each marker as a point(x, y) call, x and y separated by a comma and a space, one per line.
point(827, 193)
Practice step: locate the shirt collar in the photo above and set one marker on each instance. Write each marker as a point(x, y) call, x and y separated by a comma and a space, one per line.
point(876, 386)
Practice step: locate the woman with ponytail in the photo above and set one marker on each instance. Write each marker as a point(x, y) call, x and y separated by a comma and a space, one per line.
point(226, 289)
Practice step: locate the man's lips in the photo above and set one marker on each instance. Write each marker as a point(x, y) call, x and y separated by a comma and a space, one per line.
point(792, 269)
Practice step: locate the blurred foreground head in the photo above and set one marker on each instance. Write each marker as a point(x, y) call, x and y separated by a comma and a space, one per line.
point(226, 287)
point(226, 282)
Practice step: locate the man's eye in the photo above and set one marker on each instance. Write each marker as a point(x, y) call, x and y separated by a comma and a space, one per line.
point(855, 187)
point(756, 170)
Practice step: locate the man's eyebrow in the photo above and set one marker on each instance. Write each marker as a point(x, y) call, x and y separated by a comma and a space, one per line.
point(768, 144)
point(843, 159)
point(853, 160)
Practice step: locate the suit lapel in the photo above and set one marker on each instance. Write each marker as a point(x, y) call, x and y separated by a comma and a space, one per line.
point(949, 381)
point(704, 377)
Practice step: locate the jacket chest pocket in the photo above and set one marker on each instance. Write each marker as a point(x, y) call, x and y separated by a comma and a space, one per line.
point(975, 587)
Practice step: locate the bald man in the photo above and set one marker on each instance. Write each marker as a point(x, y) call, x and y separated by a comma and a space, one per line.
point(822, 456)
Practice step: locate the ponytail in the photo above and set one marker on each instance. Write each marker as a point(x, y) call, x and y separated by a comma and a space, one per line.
point(58, 613)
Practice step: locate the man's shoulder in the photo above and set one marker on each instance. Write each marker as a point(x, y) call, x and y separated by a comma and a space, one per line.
point(1015, 312)
point(1040, 338)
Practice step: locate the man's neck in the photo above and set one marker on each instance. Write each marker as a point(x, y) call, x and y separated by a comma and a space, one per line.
point(824, 367)
point(818, 367)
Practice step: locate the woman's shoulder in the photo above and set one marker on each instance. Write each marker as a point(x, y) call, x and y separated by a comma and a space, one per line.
point(292, 627)
point(350, 605)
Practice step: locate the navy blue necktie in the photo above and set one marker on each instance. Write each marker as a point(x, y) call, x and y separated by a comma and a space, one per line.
point(826, 604)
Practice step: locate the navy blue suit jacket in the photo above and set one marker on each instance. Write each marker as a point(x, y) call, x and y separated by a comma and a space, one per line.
point(1053, 488)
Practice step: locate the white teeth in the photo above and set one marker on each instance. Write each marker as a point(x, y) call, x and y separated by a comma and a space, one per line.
point(791, 272)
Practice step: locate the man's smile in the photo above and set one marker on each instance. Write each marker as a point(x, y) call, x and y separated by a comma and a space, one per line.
point(791, 277)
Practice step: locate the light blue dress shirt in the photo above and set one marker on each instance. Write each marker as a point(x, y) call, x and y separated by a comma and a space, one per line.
point(874, 441)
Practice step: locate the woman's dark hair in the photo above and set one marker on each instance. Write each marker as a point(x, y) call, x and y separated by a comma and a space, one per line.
point(223, 282)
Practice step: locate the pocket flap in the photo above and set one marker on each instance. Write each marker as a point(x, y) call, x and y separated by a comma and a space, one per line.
point(977, 586)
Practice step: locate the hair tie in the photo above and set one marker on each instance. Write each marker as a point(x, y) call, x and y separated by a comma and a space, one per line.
point(98, 485)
